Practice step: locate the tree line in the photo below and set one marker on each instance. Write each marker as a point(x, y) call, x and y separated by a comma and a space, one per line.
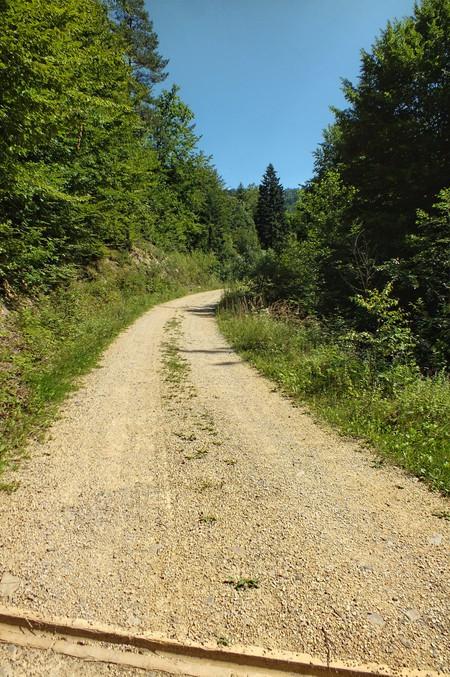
point(92, 156)
point(368, 242)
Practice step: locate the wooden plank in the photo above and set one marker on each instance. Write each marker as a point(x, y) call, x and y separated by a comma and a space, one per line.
point(29, 630)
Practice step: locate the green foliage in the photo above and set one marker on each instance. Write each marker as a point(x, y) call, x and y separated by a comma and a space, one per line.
point(392, 339)
point(401, 413)
point(423, 280)
point(248, 195)
point(293, 273)
point(172, 131)
point(89, 158)
point(322, 218)
point(290, 199)
point(393, 138)
point(68, 148)
point(241, 246)
point(381, 163)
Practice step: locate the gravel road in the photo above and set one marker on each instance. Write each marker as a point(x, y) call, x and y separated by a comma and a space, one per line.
point(180, 494)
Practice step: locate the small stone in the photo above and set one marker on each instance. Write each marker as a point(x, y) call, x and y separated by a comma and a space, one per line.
point(367, 568)
point(412, 614)
point(133, 620)
point(5, 671)
point(436, 539)
point(155, 548)
point(8, 585)
point(375, 619)
point(406, 642)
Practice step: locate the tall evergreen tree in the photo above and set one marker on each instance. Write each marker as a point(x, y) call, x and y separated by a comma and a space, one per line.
point(270, 218)
point(141, 42)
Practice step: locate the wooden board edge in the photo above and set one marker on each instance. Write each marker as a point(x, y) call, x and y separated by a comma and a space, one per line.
point(59, 632)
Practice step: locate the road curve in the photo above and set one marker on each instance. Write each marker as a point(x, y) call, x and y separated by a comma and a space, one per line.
point(179, 493)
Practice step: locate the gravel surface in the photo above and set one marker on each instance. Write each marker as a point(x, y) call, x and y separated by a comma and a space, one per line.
point(180, 494)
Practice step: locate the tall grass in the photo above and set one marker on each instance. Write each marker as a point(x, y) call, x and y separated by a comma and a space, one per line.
point(402, 414)
point(47, 342)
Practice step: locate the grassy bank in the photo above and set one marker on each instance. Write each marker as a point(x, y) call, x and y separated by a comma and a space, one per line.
point(47, 342)
point(402, 414)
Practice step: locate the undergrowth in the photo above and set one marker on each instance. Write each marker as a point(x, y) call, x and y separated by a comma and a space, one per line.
point(47, 342)
point(401, 413)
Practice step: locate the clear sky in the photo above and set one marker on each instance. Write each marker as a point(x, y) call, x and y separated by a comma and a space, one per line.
point(260, 75)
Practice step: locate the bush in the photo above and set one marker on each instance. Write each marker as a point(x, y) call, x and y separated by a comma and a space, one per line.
point(292, 274)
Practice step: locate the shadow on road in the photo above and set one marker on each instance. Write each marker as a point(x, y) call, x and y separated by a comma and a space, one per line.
point(203, 311)
point(202, 350)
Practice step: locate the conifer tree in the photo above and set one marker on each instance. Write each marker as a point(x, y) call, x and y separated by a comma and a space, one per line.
point(136, 29)
point(270, 216)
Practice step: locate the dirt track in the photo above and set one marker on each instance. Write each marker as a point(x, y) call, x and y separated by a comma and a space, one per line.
point(173, 471)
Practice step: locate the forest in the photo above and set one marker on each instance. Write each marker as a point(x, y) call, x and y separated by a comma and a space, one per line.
point(340, 292)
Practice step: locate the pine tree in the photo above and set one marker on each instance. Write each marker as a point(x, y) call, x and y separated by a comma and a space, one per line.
point(270, 216)
point(136, 29)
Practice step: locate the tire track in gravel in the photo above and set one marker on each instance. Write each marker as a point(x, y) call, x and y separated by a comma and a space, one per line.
point(176, 474)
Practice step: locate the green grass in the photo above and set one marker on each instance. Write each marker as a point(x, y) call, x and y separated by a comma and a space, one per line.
point(199, 453)
point(243, 583)
point(403, 415)
point(176, 367)
point(46, 343)
point(442, 515)
point(223, 641)
point(207, 519)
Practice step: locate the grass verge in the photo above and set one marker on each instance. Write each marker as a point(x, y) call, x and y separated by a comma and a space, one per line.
point(402, 414)
point(46, 343)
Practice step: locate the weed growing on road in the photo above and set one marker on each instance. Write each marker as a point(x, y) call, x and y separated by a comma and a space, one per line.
point(9, 487)
point(207, 519)
point(207, 424)
point(442, 515)
point(195, 427)
point(222, 641)
point(242, 583)
point(186, 437)
point(205, 485)
point(175, 367)
point(377, 463)
point(200, 453)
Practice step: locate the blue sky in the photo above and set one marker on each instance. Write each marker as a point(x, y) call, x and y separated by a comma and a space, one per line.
point(260, 75)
